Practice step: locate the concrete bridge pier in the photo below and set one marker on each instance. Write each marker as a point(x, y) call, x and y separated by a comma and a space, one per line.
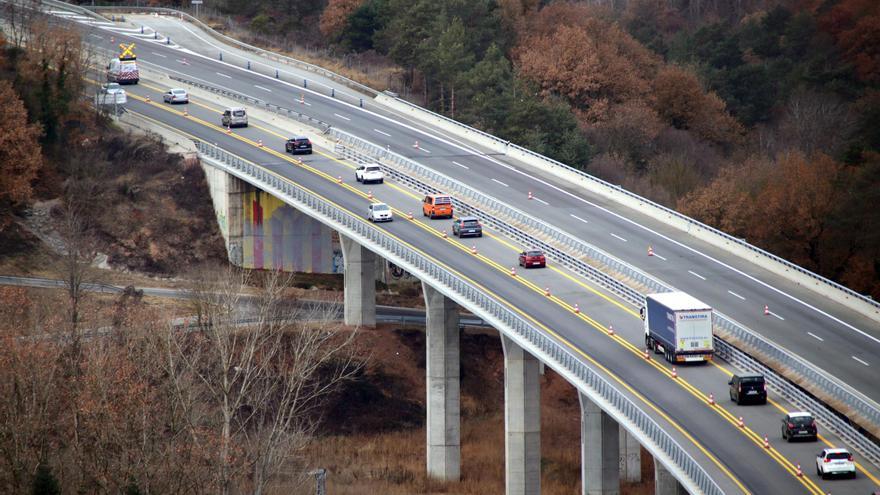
point(360, 283)
point(600, 447)
point(630, 458)
point(665, 483)
point(442, 371)
point(522, 420)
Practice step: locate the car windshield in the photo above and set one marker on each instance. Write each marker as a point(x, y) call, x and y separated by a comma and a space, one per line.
point(112, 86)
point(380, 207)
point(802, 420)
point(838, 455)
point(373, 169)
point(534, 253)
point(238, 113)
point(752, 379)
point(470, 223)
point(302, 140)
point(178, 91)
point(442, 200)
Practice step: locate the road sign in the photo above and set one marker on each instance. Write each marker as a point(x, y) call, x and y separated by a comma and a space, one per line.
point(196, 2)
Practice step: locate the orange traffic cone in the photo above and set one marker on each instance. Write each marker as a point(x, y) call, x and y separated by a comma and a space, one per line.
point(416, 145)
point(512, 271)
point(674, 372)
point(611, 330)
point(530, 195)
point(650, 250)
point(711, 400)
point(766, 310)
point(260, 143)
point(547, 291)
point(370, 194)
point(740, 423)
point(473, 248)
point(339, 179)
point(577, 310)
point(409, 216)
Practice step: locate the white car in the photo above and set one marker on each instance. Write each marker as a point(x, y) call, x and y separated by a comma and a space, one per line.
point(369, 173)
point(111, 94)
point(379, 212)
point(176, 95)
point(835, 461)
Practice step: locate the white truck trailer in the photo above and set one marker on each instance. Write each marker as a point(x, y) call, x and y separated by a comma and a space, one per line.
point(679, 326)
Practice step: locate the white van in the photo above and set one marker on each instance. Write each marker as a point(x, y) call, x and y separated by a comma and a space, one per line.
point(234, 117)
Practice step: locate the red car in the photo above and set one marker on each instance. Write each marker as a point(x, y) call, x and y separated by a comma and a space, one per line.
point(532, 259)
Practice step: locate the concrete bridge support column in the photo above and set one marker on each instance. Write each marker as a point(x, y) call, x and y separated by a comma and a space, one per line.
point(630, 458)
point(665, 483)
point(236, 189)
point(442, 370)
point(360, 283)
point(600, 441)
point(522, 420)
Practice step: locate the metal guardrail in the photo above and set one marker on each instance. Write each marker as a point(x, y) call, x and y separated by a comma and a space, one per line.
point(608, 271)
point(598, 182)
point(475, 299)
point(668, 211)
point(274, 57)
point(293, 114)
point(512, 223)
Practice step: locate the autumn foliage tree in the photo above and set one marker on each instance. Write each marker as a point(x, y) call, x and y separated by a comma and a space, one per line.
point(20, 157)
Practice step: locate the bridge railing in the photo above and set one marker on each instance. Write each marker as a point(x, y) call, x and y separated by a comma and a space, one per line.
point(625, 280)
point(736, 340)
point(687, 470)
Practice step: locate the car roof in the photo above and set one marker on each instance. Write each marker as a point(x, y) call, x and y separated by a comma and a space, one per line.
point(749, 375)
point(299, 137)
point(378, 204)
point(836, 451)
point(799, 414)
point(235, 109)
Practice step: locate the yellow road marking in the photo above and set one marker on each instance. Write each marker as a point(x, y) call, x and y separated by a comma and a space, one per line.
point(724, 413)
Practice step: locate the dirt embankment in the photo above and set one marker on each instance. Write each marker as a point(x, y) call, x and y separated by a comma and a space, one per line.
point(373, 438)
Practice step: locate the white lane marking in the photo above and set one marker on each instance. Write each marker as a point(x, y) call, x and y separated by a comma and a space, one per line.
point(621, 238)
point(811, 334)
point(734, 294)
point(460, 165)
point(577, 218)
point(342, 116)
point(859, 360)
point(423, 149)
point(224, 75)
point(260, 87)
point(159, 55)
point(386, 134)
point(658, 256)
point(777, 316)
point(449, 141)
point(697, 275)
point(539, 200)
point(498, 181)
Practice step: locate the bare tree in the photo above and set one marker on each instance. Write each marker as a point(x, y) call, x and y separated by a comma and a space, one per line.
point(254, 372)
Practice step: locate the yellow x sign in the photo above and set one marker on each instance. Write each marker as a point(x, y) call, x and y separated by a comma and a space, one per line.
point(127, 51)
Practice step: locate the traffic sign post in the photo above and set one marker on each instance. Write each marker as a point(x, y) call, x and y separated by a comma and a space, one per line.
point(196, 3)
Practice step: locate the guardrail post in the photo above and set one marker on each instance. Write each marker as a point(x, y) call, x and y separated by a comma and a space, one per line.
point(221, 56)
point(362, 103)
point(248, 65)
point(305, 83)
point(443, 386)
point(333, 92)
point(522, 420)
point(600, 468)
point(276, 73)
point(168, 40)
point(142, 29)
point(155, 35)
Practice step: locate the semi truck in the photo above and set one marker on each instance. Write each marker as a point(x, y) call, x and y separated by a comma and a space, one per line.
point(679, 326)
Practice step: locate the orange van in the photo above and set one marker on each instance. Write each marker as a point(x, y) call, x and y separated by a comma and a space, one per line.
point(437, 205)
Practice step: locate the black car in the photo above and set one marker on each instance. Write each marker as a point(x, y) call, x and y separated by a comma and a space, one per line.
point(748, 388)
point(799, 425)
point(298, 144)
point(467, 226)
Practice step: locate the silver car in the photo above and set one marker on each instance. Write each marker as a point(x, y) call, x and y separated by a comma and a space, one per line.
point(176, 95)
point(234, 117)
